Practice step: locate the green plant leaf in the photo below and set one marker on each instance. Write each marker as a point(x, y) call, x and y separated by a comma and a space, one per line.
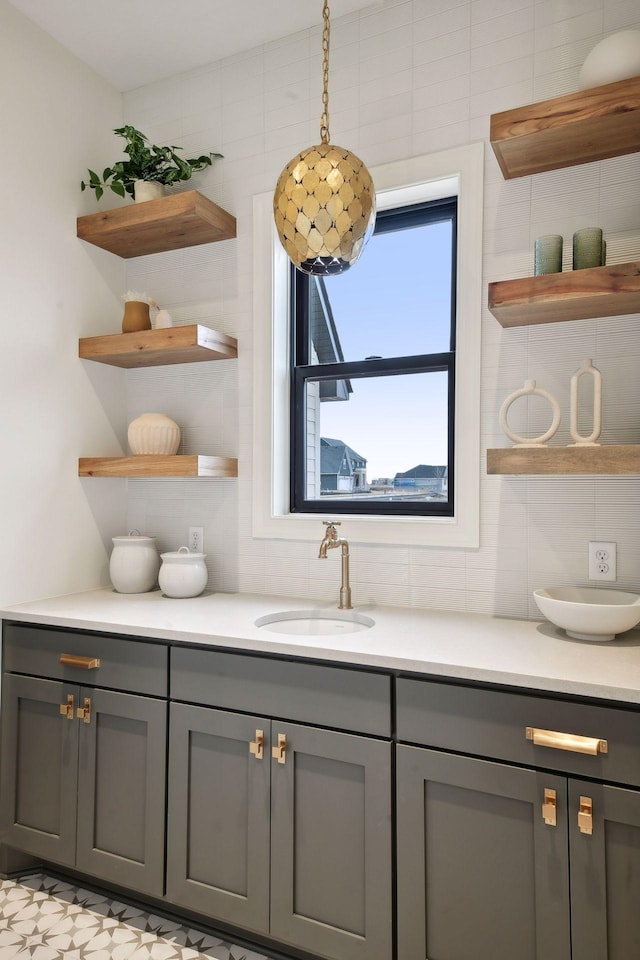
point(99, 191)
point(118, 188)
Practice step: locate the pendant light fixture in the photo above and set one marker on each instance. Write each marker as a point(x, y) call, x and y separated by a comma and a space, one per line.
point(325, 202)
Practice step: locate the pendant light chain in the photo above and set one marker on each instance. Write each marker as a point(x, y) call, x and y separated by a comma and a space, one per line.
point(324, 119)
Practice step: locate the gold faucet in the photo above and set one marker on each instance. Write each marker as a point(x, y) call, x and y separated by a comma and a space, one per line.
point(330, 541)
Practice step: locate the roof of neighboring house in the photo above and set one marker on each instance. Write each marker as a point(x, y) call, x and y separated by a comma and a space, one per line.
point(424, 471)
point(332, 453)
point(325, 339)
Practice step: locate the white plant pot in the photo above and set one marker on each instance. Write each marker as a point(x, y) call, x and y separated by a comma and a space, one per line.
point(153, 433)
point(147, 190)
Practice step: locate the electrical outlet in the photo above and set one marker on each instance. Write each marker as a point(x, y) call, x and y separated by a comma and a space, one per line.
point(196, 539)
point(602, 560)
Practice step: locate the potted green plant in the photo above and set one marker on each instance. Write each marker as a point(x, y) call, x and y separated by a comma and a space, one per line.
point(146, 164)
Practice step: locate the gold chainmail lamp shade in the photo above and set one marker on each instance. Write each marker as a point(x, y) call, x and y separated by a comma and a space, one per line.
point(325, 202)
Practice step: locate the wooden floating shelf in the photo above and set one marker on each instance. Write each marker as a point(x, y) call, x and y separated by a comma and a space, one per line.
point(611, 459)
point(192, 343)
point(573, 295)
point(577, 128)
point(158, 466)
point(170, 223)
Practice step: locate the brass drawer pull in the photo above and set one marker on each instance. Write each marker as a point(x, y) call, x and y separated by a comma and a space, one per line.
point(550, 807)
point(279, 753)
point(84, 663)
point(256, 747)
point(66, 709)
point(566, 741)
point(585, 815)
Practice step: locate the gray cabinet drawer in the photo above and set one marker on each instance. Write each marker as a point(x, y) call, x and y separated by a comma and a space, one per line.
point(490, 723)
point(304, 692)
point(128, 665)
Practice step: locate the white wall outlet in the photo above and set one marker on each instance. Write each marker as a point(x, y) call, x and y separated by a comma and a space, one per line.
point(602, 560)
point(196, 539)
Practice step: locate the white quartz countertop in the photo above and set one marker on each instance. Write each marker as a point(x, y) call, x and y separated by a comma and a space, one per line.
point(520, 653)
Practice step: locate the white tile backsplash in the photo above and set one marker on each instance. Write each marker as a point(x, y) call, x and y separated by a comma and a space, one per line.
point(408, 78)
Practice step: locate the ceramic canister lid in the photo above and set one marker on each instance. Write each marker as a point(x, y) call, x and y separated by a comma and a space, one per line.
point(183, 554)
point(134, 536)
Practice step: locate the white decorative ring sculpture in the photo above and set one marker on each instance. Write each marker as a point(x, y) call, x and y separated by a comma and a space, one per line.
point(530, 389)
point(590, 441)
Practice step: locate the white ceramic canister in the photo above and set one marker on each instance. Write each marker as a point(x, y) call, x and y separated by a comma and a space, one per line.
point(183, 574)
point(134, 563)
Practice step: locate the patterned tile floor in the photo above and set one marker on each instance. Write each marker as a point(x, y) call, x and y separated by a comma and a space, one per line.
point(46, 919)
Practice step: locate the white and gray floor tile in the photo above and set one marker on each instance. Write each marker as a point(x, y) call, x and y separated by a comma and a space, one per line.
point(42, 918)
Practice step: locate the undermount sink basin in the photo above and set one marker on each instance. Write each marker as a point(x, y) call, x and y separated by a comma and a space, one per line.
point(588, 613)
point(315, 623)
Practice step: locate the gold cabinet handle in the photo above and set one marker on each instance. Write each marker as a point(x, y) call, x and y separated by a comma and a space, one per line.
point(84, 663)
point(585, 815)
point(550, 807)
point(66, 709)
point(279, 753)
point(84, 713)
point(256, 747)
point(566, 741)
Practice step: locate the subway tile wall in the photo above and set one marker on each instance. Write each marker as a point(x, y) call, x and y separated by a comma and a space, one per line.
point(407, 77)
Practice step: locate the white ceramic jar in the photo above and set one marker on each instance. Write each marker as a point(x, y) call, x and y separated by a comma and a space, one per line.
point(153, 433)
point(134, 563)
point(183, 574)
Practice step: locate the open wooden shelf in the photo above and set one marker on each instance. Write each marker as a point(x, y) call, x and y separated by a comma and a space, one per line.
point(613, 459)
point(158, 466)
point(573, 295)
point(192, 343)
point(577, 128)
point(170, 223)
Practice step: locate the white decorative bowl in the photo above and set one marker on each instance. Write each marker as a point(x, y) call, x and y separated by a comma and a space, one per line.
point(153, 433)
point(617, 57)
point(588, 613)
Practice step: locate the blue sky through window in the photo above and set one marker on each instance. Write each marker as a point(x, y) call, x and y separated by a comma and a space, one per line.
point(395, 301)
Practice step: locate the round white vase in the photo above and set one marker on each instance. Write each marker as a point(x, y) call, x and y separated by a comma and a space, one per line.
point(134, 563)
point(147, 190)
point(617, 57)
point(153, 433)
point(183, 574)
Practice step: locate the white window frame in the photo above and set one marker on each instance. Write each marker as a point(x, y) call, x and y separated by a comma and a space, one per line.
point(457, 172)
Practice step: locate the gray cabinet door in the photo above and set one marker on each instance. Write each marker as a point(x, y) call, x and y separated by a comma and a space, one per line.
point(218, 816)
point(480, 874)
point(121, 790)
point(331, 843)
point(38, 792)
point(605, 872)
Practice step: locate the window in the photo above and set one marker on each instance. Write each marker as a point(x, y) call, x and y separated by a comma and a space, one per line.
point(455, 174)
point(373, 373)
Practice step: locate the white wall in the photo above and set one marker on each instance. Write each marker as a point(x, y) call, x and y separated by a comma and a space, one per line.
point(408, 78)
point(57, 118)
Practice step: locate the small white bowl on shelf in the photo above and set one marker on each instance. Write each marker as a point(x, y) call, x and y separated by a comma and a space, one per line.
point(588, 613)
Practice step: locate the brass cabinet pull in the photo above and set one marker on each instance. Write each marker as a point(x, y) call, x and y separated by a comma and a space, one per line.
point(256, 747)
point(566, 741)
point(550, 807)
point(66, 709)
point(585, 815)
point(84, 713)
point(279, 753)
point(84, 663)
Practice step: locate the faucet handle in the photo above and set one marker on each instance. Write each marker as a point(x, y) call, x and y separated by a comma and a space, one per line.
point(332, 523)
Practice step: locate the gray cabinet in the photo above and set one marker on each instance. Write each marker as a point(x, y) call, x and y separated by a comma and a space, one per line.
point(276, 826)
point(500, 860)
point(83, 771)
point(480, 874)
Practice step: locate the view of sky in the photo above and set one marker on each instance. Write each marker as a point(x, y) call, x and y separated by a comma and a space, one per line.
point(395, 423)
